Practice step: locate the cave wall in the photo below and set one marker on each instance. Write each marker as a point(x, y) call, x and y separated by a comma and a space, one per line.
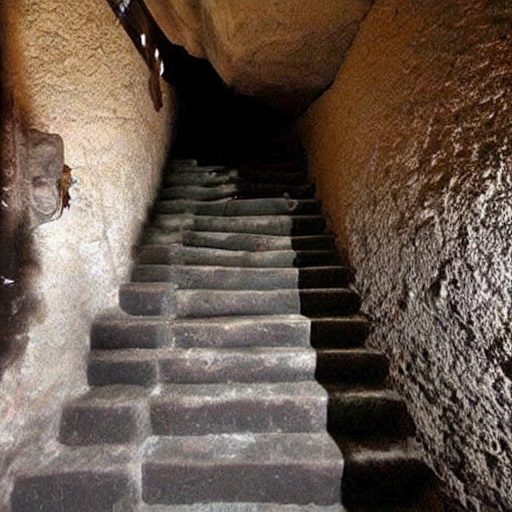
point(283, 52)
point(411, 150)
point(84, 81)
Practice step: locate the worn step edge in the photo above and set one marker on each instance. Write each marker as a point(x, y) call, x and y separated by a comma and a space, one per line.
point(198, 365)
point(206, 256)
point(240, 507)
point(240, 207)
point(165, 299)
point(351, 365)
point(365, 410)
point(196, 409)
point(256, 243)
point(115, 329)
point(115, 414)
point(278, 468)
point(336, 332)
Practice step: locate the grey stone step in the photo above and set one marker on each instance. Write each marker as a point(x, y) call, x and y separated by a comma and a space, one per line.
point(328, 301)
point(351, 366)
point(382, 473)
point(172, 223)
point(163, 299)
point(216, 277)
point(241, 207)
point(161, 254)
point(149, 299)
point(118, 330)
point(86, 479)
point(333, 276)
point(106, 415)
point(366, 411)
point(147, 367)
point(195, 409)
point(256, 243)
point(263, 224)
point(200, 176)
point(339, 332)
point(245, 190)
point(199, 193)
point(289, 177)
point(275, 468)
point(238, 278)
point(155, 236)
point(241, 507)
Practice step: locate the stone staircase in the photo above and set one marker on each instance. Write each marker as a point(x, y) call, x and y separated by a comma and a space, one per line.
point(237, 341)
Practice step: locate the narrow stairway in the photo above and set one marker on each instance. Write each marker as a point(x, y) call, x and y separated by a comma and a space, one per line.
point(237, 341)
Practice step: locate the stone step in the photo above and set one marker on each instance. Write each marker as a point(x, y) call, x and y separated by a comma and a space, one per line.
point(117, 330)
point(179, 163)
point(339, 332)
point(164, 299)
point(161, 254)
point(85, 479)
point(275, 468)
point(383, 473)
point(106, 415)
point(284, 177)
point(172, 223)
point(238, 278)
point(155, 236)
point(239, 190)
point(263, 224)
point(197, 409)
point(243, 507)
point(199, 193)
point(366, 411)
point(200, 176)
point(328, 301)
point(241, 207)
point(351, 366)
point(147, 367)
point(257, 243)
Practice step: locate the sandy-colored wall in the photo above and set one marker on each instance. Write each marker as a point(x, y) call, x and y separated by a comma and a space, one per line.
point(87, 83)
point(412, 153)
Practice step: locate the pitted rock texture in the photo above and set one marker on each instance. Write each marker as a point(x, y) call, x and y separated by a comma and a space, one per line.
point(284, 52)
point(411, 150)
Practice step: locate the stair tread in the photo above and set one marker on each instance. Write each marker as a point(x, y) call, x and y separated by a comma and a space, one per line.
point(242, 507)
point(253, 241)
point(266, 448)
point(379, 450)
point(283, 468)
point(234, 207)
point(233, 391)
point(201, 365)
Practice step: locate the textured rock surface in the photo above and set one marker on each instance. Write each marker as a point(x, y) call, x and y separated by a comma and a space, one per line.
point(87, 83)
point(285, 52)
point(412, 155)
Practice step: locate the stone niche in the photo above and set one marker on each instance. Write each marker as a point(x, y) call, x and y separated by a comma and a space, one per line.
point(285, 52)
point(412, 153)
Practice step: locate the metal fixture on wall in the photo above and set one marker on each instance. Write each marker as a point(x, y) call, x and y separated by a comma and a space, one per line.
point(140, 26)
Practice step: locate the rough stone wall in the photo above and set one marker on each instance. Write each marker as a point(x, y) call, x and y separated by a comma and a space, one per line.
point(87, 83)
point(412, 153)
point(284, 52)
